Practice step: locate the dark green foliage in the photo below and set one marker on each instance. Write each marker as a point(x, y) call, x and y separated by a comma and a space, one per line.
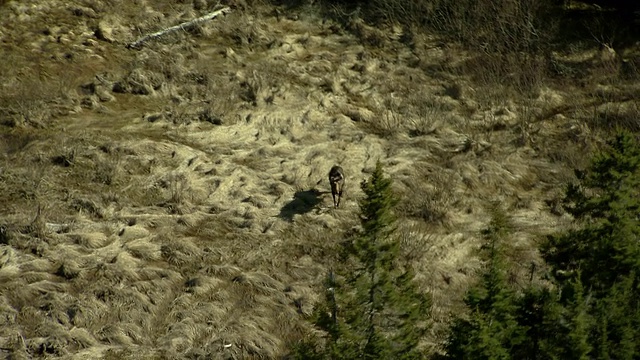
point(307, 349)
point(492, 330)
point(596, 264)
point(577, 344)
point(607, 203)
point(539, 313)
point(618, 321)
point(590, 310)
point(376, 209)
point(377, 311)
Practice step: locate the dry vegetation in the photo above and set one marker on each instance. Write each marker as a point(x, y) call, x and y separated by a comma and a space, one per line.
point(172, 202)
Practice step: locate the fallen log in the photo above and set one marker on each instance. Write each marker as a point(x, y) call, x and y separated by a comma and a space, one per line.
point(183, 26)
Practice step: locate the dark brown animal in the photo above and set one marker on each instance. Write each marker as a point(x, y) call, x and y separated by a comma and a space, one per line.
point(336, 179)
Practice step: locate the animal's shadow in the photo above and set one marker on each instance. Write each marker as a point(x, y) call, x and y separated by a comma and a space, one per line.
point(303, 202)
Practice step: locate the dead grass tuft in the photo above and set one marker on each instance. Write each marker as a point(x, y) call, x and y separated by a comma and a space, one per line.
point(144, 249)
point(258, 283)
point(179, 253)
point(90, 240)
point(432, 201)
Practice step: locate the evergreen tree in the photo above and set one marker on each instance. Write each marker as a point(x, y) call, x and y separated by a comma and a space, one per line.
point(539, 313)
point(377, 312)
point(607, 204)
point(491, 331)
point(577, 345)
point(617, 334)
point(595, 265)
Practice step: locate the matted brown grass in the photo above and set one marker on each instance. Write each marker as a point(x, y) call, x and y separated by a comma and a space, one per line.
point(172, 201)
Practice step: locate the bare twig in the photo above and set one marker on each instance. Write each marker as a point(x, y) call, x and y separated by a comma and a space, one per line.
point(185, 25)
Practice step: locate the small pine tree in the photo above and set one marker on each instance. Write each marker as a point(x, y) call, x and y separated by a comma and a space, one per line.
point(596, 264)
point(377, 312)
point(607, 203)
point(491, 331)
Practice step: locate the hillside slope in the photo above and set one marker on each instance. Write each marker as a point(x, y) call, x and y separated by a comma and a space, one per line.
point(172, 201)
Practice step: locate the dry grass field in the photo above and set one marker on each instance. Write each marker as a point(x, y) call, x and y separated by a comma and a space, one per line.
point(171, 200)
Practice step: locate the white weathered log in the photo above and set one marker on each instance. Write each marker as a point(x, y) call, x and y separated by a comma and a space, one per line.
point(57, 228)
point(182, 26)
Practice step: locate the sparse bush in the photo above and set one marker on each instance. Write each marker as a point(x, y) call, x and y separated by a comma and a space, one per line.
point(106, 171)
point(426, 122)
point(386, 125)
point(139, 82)
point(510, 39)
point(178, 187)
point(613, 115)
point(253, 89)
point(86, 205)
point(430, 202)
point(211, 116)
point(30, 104)
point(65, 160)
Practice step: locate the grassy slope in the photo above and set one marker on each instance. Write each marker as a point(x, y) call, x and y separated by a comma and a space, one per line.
point(197, 215)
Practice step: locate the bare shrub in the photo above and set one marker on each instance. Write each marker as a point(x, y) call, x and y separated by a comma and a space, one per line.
point(86, 205)
point(369, 35)
point(30, 96)
point(293, 178)
point(430, 201)
point(507, 73)
point(212, 116)
point(386, 125)
point(65, 159)
point(509, 37)
point(139, 82)
point(36, 228)
point(178, 187)
point(255, 90)
point(221, 96)
point(241, 29)
point(14, 142)
point(142, 193)
point(612, 116)
point(400, 11)
point(415, 243)
point(180, 114)
point(630, 68)
point(106, 171)
point(454, 90)
point(423, 125)
point(425, 118)
point(30, 103)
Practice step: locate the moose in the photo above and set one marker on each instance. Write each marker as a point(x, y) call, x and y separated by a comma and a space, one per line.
point(336, 179)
